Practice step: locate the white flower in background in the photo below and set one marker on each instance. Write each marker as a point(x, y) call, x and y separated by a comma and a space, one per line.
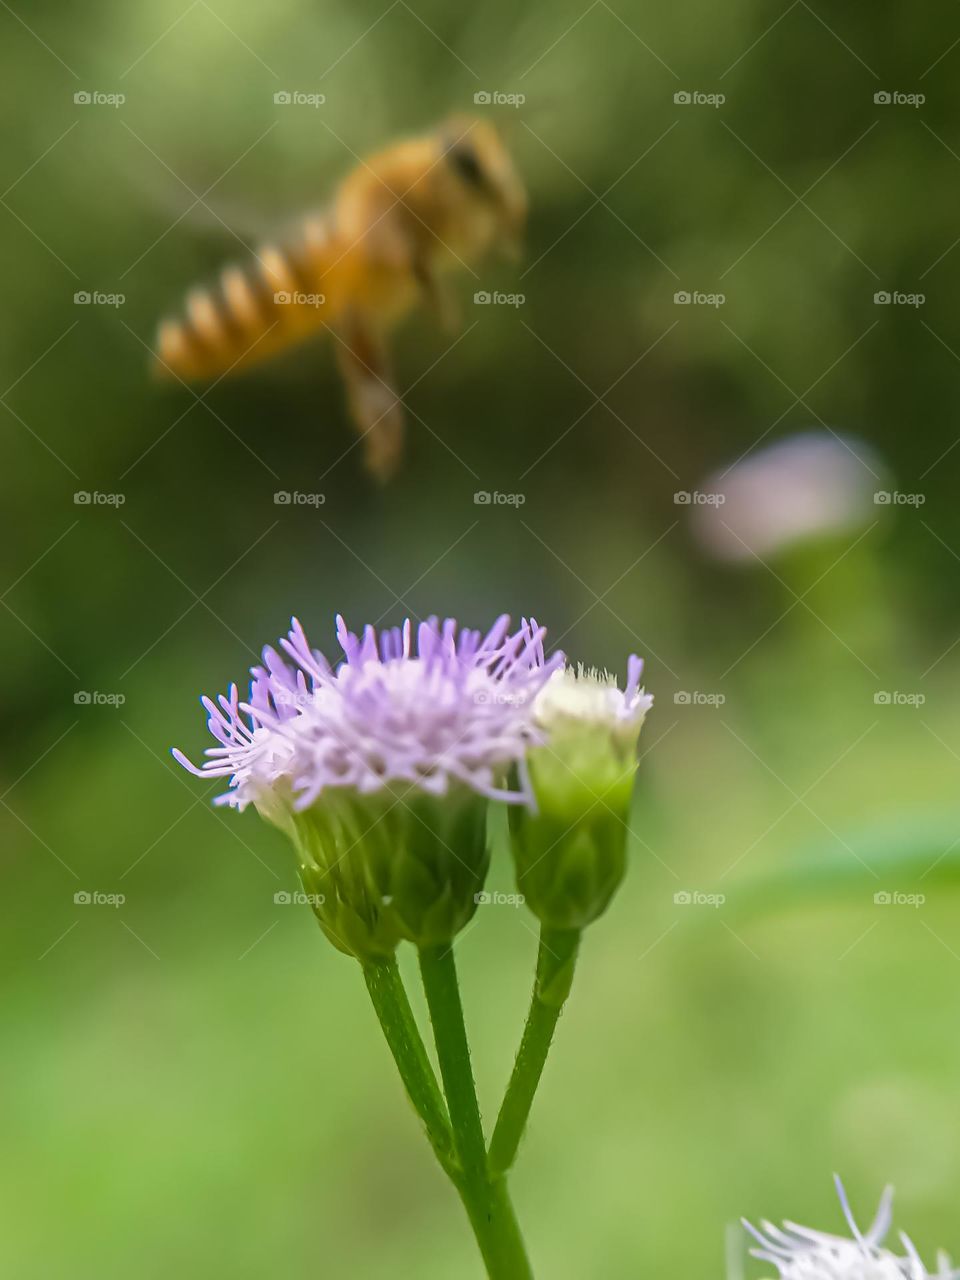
point(810, 485)
point(800, 1253)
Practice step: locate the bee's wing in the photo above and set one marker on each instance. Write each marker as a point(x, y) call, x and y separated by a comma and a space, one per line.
point(374, 404)
point(185, 204)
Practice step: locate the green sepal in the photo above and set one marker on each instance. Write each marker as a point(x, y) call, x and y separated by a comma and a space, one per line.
point(570, 852)
point(398, 864)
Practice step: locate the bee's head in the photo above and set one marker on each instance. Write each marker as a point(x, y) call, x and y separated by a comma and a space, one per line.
point(481, 165)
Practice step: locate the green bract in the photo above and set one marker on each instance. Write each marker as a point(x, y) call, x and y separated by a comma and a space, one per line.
point(396, 864)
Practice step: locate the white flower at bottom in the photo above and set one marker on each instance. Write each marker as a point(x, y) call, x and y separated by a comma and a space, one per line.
point(800, 1253)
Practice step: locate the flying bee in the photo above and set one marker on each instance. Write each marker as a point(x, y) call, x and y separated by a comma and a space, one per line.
point(397, 226)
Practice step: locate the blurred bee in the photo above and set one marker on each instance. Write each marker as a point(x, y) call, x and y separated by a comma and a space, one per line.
point(396, 226)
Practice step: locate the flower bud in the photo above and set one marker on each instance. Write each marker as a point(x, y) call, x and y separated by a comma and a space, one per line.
point(570, 850)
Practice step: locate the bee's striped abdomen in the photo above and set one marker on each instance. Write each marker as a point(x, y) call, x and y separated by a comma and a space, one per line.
point(252, 312)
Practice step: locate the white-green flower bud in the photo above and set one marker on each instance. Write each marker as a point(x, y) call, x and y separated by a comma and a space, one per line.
point(570, 851)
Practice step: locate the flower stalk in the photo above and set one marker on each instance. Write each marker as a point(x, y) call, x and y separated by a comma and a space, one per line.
point(389, 998)
point(555, 966)
point(486, 1199)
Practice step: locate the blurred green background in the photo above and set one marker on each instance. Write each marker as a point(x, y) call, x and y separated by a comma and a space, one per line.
point(193, 1082)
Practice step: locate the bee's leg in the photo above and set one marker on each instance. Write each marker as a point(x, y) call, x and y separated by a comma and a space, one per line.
point(374, 404)
point(439, 296)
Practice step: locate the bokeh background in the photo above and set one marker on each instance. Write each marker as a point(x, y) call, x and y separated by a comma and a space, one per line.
point(193, 1082)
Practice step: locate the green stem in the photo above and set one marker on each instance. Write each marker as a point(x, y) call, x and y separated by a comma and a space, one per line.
point(439, 972)
point(399, 1027)
point(486, 1200)
point(496, 1230)
point(555, 966)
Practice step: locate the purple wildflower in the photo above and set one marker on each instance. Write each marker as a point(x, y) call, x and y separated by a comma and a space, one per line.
point(442, 708)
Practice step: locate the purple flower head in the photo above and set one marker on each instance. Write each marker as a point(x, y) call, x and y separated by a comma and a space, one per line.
point(444, 707)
